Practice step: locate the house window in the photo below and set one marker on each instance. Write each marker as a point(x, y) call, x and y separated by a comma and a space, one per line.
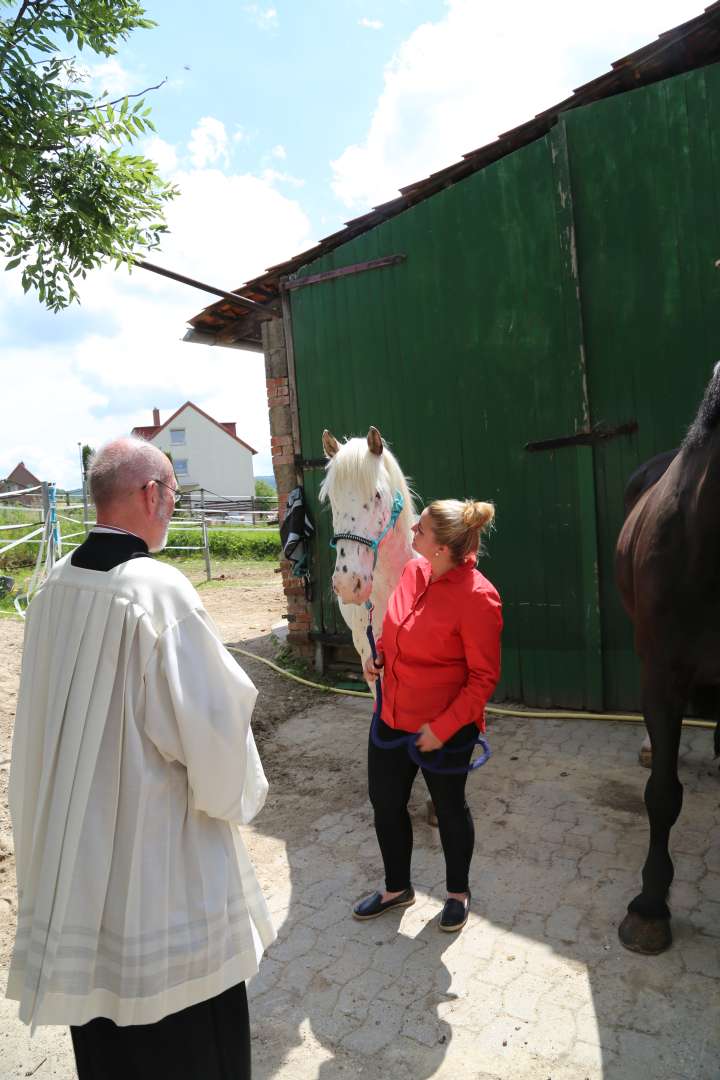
point(177, 436)
point(181, 466)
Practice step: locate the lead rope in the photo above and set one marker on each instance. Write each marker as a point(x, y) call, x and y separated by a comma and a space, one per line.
point(408, 741)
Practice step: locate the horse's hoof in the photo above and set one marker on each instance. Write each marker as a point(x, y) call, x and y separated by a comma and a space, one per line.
point(647, 936)
point(645, 757)
point(431, 815)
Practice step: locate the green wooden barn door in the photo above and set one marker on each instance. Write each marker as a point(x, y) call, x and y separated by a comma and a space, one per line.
point(462, 354)
point(646, 177)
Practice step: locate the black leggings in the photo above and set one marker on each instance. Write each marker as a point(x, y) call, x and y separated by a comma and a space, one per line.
point(390, 778)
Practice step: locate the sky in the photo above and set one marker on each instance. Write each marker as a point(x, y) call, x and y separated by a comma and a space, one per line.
point(278, 122)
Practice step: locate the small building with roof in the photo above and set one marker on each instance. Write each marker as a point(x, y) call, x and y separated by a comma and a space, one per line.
point(20, 479)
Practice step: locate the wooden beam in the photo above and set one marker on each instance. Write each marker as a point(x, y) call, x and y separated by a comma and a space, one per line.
point(264, 310)
point(585, 438)
point(343, 271)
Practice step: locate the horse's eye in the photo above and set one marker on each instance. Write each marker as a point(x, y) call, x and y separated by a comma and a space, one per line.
point(377, 494)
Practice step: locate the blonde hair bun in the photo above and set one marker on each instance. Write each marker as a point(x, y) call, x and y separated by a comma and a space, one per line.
point(458, 523)
point(477, 515)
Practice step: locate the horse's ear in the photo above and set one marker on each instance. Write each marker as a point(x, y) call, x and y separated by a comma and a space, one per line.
point(330, 444)
point(375, 441)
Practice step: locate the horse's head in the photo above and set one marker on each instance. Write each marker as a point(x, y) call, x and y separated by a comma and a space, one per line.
point(361, 481)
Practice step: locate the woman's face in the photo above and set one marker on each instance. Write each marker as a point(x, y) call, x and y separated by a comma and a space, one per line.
point(424, 540)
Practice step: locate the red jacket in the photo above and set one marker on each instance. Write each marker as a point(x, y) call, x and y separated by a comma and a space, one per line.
point(441, 641)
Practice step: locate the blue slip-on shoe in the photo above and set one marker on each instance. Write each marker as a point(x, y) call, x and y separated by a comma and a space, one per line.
point(372, 906)
point(454, 914)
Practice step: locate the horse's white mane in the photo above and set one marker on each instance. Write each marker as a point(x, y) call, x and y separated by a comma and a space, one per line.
point(355, 468)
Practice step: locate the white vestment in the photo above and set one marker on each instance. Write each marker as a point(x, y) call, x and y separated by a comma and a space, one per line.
point(133, 762)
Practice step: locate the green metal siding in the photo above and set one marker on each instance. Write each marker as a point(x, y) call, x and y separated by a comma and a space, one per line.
point(592, 247)
point(646, 177)
point(460, 356)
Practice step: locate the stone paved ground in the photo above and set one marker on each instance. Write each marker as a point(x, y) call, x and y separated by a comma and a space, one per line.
point(537, 985)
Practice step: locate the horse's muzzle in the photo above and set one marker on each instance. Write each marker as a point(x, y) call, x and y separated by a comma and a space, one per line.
point(351, 588)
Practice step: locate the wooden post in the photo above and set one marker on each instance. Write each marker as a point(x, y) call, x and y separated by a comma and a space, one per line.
point(83, 478)
point(292, 384)
point(252, 509)
point(205, 537)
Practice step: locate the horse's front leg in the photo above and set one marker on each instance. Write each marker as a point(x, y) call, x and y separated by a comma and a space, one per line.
point(646, 927)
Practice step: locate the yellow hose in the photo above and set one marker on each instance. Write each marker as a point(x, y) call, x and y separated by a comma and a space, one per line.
point(494, 710)
point(628, 718)
point(296, 678)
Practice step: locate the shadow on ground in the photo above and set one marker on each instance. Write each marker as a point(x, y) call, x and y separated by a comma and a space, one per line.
point(537, 985)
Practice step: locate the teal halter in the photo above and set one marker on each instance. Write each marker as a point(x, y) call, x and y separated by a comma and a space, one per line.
point(398, 505)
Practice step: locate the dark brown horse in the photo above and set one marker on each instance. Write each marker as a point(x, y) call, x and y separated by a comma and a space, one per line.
point(668, 572)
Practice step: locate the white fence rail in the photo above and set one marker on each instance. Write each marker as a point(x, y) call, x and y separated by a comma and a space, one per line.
point(191, 513)
point(16, 494)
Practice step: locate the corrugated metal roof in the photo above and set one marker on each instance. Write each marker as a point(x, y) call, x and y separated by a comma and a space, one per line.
point(691, 45)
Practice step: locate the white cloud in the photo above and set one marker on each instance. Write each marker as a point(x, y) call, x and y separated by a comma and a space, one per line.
point(370, 24)
point(125, 354)
point(162, 153)
point(112, 77)
point(208, 143)
point(266, 18)
point(272, 176)
point(456, 84)
point(279, 152)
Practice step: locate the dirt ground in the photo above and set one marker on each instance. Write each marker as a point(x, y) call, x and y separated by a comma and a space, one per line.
point(537, 985)
point(244, 610)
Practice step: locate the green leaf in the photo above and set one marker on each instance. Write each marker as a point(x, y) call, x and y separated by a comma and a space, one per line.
point(71, 195)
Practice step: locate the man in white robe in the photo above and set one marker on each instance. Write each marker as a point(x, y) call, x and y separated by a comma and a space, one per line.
point(140, 916)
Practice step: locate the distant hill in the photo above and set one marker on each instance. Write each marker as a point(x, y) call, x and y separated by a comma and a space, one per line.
point(268, 480)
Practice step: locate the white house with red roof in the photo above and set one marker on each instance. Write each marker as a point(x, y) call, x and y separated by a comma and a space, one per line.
point(205, 453)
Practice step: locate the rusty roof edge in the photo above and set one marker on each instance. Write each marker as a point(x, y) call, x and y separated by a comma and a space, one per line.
point(266, 285)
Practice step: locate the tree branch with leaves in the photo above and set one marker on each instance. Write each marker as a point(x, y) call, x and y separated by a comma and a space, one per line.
point(72, 194)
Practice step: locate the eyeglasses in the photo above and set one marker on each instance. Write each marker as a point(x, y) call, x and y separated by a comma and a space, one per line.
point(175, 493)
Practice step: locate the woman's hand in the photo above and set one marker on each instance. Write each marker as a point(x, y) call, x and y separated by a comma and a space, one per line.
point(426, 741)
point(373, 669)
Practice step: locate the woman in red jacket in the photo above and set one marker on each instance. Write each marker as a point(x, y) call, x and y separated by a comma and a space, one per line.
point(439, 656)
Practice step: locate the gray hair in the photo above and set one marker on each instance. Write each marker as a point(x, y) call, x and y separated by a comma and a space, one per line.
point(123, 466)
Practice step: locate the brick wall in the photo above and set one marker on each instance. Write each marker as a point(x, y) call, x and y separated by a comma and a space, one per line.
point(283, 451)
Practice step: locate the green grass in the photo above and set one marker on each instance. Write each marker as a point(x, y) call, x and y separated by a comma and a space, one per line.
point(21, 578)
point(227, 573)
point(229, 543)
point(225, 544)
point(25, 554)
